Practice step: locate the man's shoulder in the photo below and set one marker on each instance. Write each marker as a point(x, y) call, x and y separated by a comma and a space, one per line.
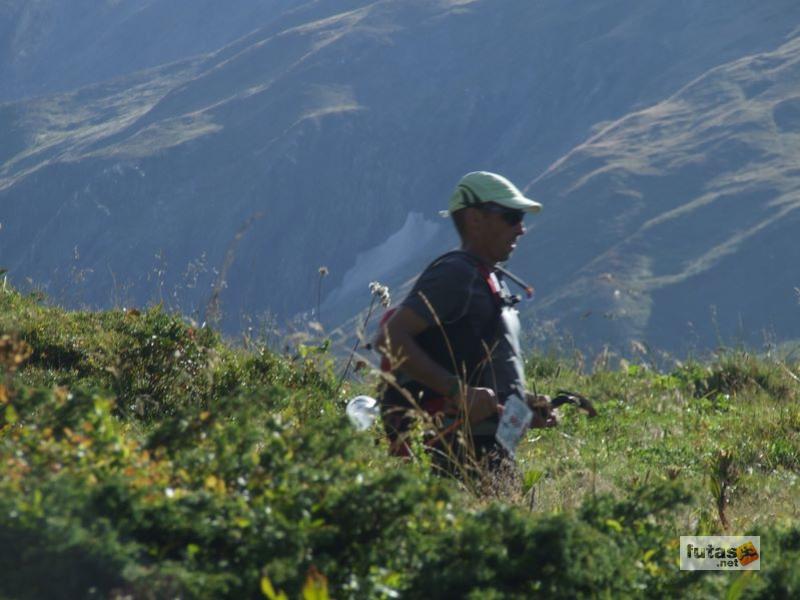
point(446, 286)
point(446, 275)
point(457, 261)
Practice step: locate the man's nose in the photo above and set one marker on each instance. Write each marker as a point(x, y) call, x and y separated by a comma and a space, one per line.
point(520, 228)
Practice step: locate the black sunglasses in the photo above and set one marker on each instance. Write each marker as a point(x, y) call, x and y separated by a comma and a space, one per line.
point(509, 215)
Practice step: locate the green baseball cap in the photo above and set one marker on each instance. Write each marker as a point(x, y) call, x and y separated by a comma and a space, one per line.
point(479, 187)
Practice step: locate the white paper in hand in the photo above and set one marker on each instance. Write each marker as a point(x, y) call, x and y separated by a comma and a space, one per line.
point(513, 424)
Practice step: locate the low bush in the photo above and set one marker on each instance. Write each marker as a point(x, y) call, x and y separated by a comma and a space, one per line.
point(149, 459)
point(735, 372)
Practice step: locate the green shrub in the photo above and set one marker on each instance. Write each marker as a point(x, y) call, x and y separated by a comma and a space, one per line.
point(143, 457)
point(735, 372)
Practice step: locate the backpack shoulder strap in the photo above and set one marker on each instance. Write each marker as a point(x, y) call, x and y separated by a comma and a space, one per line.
point(490, 277)
point(488, 274)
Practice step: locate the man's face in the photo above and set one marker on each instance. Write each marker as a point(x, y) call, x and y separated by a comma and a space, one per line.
point(501, 228)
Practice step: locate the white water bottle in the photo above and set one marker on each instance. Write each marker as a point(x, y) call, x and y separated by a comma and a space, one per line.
point(362, 412)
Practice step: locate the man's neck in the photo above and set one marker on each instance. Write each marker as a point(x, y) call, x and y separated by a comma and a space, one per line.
point(470, 249)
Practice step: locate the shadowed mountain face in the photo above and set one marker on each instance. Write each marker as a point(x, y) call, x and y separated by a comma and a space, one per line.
point(330, 133)
point(49, 45)
point(688, 211)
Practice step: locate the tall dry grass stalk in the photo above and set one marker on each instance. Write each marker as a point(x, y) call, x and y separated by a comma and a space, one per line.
point(323, 273)
point(213, 312)
point(380, 294)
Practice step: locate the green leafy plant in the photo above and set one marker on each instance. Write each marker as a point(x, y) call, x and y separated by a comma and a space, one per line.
point(144, 457)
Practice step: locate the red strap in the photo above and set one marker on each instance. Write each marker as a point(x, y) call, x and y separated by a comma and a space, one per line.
point(491, 280)
point(386, 316)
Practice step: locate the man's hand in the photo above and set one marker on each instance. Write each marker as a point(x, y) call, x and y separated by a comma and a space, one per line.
point(481, 404)
point(543, 412)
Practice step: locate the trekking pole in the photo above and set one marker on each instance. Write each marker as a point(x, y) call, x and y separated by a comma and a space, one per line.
point(521, 283)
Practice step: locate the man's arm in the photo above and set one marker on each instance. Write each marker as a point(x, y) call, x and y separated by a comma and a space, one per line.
point(396, 341)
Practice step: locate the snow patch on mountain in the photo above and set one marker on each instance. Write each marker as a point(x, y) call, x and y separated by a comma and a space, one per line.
point(409, 243)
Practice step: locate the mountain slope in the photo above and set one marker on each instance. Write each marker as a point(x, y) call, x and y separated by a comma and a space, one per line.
point(688, 213)
point(324, 130)
point(49, 46)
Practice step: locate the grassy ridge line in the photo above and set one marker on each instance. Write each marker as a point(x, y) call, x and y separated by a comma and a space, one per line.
point(142, 457)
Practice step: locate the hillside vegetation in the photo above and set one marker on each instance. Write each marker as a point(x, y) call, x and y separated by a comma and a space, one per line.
point(144, 457)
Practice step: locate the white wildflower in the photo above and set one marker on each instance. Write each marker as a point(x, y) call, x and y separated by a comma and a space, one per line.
point(382, 292)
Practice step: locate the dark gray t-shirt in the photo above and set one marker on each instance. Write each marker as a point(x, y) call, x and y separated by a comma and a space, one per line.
point(455, 289)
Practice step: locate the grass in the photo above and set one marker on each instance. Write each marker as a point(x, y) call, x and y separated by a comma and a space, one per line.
point(673, 427)
point(144, 457)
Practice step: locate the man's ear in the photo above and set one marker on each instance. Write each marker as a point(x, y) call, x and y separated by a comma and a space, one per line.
point(473, 219)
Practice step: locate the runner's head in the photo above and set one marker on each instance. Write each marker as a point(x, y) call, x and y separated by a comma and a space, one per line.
point(488, 211)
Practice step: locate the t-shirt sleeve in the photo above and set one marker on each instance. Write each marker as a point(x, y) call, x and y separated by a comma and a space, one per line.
point(446, 285)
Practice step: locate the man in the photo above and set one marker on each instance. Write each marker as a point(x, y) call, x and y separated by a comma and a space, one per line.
point(453, 343)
